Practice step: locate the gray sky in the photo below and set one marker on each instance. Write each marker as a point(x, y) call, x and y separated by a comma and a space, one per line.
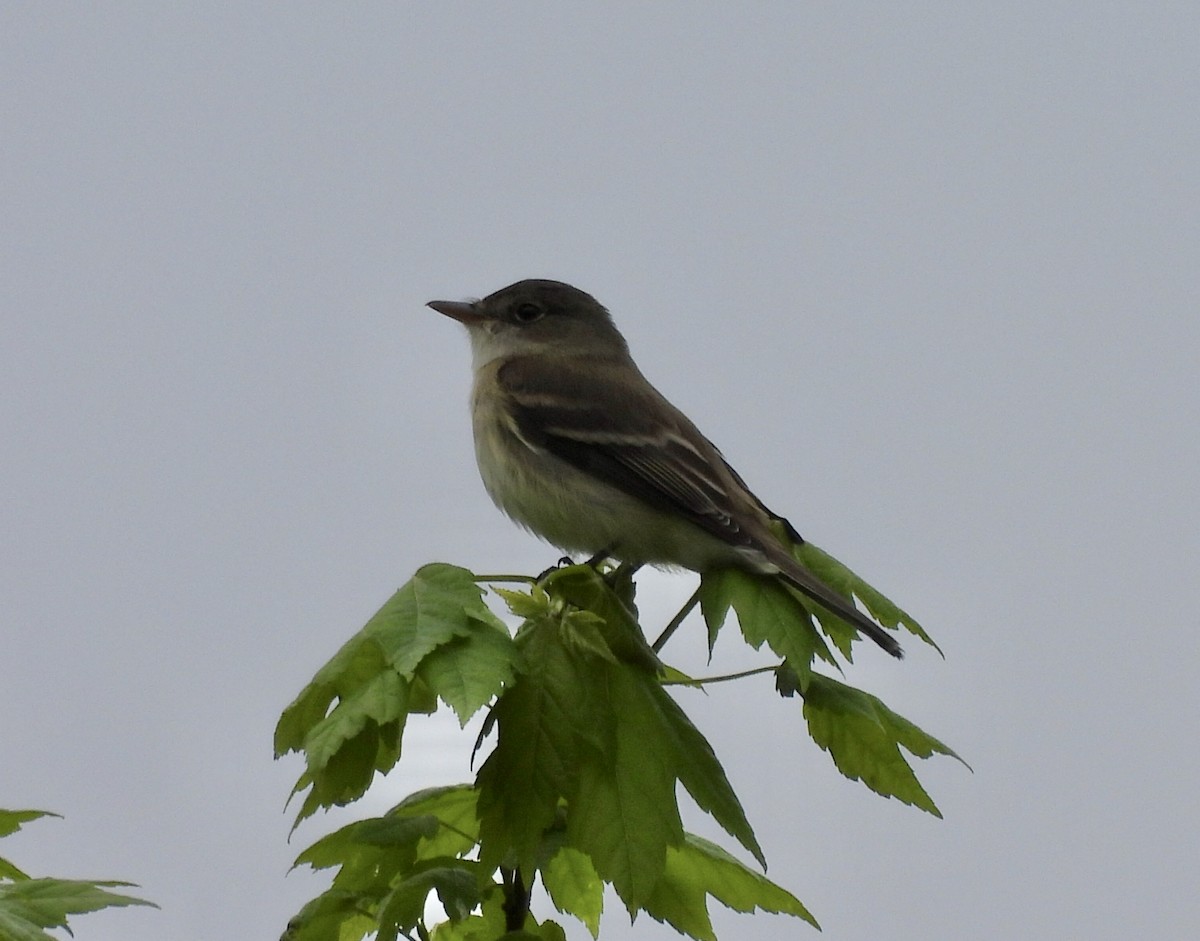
point(928, 274)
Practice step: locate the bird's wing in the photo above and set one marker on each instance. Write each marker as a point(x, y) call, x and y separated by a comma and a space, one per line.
point(644, 447)
point(649, 449)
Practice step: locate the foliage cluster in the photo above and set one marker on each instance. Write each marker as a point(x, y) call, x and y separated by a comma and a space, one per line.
point(580, 788)
point(29, 906)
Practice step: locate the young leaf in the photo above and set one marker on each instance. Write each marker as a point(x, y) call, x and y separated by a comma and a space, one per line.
point(864, 737)
point(696, 869)
point(525, 604)
point(582, 632)
point(583, 588)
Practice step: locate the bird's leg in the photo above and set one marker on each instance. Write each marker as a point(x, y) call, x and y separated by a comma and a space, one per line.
point(624, 570)
point(621, 575)
point(620, 583)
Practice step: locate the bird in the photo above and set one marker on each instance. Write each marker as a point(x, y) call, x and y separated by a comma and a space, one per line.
point(574, 444)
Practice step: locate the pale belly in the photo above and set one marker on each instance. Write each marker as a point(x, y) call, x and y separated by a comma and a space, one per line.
point(579, 513)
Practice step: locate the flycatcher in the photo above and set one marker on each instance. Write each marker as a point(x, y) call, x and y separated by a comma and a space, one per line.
point(575, 444)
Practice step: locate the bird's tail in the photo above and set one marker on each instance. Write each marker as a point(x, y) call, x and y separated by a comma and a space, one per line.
point(812, 587)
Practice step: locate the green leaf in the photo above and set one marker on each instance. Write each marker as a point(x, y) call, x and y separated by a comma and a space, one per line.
point(359, 737)
point(349, 721)
point(767, 611)
point(864, 737)
point(367, 841)
point(587, 722)
point(672, 676)
point(454, 808)
point(487, 925)
point(454, 881)
point(394, 860)
point(379, 701)
point(582, 631)
point(697, 869)
point(468, 672)
point(356, 662)
point(546, 931)
point(9, 870)
point(572, 728)
point(624, 814)
point(438, 604)
point(428, 824)
point(541, 718)
point(847, 583)
point(12, 820)
point(534, 603)
point(334, 916)
point(787, 683)
point(697, 767)
point(583, 588)
point(574, 887)
point(716, 598)
point(29, 905)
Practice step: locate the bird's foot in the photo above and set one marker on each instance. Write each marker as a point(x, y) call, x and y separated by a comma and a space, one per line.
point(562, 563)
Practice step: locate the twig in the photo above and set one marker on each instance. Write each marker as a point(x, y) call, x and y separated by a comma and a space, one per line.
point(676, 621)
point(516, 899)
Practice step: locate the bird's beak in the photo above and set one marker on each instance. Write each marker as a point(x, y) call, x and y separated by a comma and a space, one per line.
point(459, 310)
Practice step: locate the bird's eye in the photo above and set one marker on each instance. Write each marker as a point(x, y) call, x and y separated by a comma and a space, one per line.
point(528, 313)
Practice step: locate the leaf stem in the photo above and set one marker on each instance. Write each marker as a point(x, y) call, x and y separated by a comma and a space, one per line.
point(676, 621)
point(701, 681)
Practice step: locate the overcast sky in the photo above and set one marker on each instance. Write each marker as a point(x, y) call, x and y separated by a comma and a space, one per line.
point(929, 275)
